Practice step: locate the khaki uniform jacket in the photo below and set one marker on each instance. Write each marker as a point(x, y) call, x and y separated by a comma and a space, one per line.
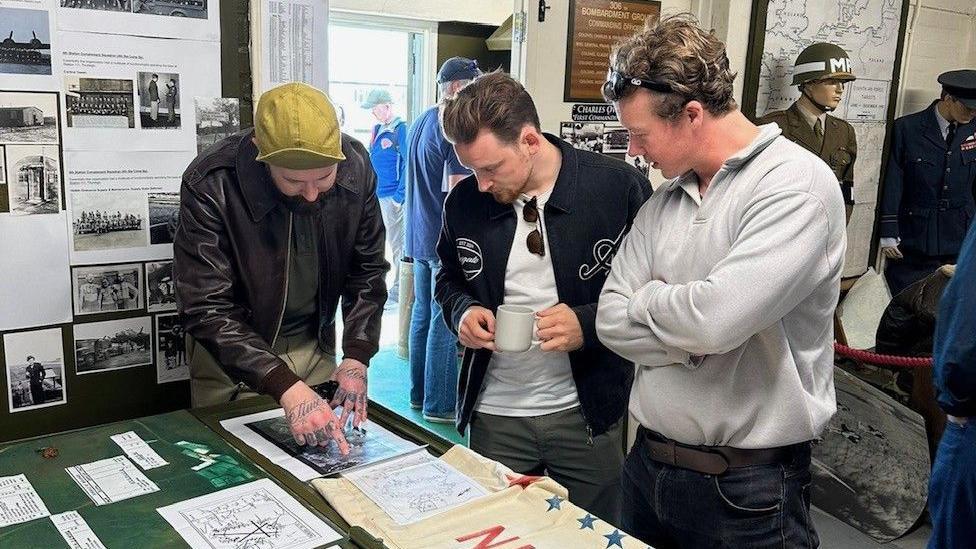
point(839, 149)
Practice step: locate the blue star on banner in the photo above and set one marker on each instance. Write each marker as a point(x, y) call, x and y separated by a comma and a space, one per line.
point(587, 521)
point(554, 502)
point(614, 538)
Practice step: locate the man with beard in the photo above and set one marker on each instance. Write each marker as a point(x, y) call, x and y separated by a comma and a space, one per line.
point(537, 226)
point(278, 224)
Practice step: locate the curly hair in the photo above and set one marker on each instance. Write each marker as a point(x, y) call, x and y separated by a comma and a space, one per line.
point(677, 51)
point(495, 102)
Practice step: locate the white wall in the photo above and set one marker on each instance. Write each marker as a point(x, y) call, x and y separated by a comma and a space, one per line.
point(488, 12)
point(940, 36)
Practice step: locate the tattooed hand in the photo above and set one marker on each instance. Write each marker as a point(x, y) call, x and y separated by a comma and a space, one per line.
point(311, 419)
point(351, 395)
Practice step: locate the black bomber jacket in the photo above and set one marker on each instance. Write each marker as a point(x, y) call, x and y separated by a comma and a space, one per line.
point(591, 208)
point(231, 261)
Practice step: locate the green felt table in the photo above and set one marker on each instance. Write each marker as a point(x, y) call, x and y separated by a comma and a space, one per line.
point(135, 522)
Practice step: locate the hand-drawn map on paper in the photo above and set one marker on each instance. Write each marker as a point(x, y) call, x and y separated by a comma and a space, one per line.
point(258, 515)
point(415, 486)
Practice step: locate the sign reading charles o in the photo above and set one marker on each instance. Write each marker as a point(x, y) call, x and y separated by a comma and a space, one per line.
point(594, 27)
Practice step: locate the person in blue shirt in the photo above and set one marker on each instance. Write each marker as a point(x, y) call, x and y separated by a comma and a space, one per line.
point(433, 170)
point(927, 200)
point(388, 154)
point(952, 487)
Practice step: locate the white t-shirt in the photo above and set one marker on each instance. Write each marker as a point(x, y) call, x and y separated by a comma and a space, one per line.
point(532, 383)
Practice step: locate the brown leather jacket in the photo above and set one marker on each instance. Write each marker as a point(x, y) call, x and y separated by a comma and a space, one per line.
point(231, 261)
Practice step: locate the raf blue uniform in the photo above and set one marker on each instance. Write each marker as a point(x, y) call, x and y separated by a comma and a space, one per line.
point(927, 200)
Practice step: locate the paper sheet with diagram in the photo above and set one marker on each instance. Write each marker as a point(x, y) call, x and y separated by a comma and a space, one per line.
point(75, 531)
point(110, 480)
point(416, 486)
point(256, 515)
point(19, 502)
point(269, 434)
point(136, 448)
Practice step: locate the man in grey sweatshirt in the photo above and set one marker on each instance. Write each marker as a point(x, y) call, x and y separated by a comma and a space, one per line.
point(723, 293)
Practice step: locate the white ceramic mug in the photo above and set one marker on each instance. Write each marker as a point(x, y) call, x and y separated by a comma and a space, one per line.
point(514, 326)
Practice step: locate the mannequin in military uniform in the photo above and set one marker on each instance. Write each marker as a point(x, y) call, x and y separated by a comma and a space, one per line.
point(821, 70)
point(927, 200)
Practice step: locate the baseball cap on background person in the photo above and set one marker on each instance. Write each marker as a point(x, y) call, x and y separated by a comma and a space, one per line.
point(377, 96)
point(960, 84)
point(295, 127)
point(458, 68)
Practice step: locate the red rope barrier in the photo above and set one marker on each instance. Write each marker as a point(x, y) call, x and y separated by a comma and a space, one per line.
point(883, 360)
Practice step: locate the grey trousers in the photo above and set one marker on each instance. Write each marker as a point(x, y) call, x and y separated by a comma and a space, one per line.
point(557, 445)
point(393, 220)
point(210, 384)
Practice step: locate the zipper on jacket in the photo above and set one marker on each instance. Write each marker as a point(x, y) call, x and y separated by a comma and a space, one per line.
point(284, 300)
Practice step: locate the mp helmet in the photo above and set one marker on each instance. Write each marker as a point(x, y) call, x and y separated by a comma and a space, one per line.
point(820, 61)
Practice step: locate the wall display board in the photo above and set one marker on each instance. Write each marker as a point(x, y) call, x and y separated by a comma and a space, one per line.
point(594, 27)
point(99, 103)
point(871, 32)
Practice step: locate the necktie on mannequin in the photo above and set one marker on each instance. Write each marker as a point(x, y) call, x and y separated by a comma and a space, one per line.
point(818, 133)
point(950, 134)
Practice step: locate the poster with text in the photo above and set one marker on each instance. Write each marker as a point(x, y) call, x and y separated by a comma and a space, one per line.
point(123, 206)
point(131, 93)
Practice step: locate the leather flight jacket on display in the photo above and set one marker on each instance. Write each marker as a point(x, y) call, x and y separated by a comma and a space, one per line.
point(231, 259)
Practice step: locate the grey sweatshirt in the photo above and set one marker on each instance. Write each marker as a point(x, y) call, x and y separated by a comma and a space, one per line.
point(726, 304)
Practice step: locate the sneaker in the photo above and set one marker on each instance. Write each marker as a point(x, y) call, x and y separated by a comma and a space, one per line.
point(439, 419)
point(416, 405)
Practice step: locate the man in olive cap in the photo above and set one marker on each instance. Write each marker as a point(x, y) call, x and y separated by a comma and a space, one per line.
point(927, 199)
point(821, 71)
point(388, 154)
point(277, 224)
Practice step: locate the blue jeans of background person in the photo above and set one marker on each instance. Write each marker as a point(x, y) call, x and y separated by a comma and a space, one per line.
point(952, 488)
point(756, 507)
point(433, 348)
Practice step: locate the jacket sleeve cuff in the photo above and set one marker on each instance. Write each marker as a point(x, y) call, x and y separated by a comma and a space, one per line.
point(278, 380)
point(360, 350)
point(586, 314)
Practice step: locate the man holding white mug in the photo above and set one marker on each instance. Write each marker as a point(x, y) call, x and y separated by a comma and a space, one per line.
point(536, 229)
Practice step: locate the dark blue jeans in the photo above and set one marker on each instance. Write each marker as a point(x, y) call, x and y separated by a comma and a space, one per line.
point(762, 506)
point(433, 348)
point(952, 488)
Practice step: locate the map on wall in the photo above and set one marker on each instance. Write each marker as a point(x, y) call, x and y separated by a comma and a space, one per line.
point(868, 30)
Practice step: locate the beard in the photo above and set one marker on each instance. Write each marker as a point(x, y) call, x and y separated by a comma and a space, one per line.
point(299, 206)
point(505, 197)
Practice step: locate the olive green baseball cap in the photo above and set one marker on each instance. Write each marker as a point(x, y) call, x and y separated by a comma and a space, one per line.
point(296, 127)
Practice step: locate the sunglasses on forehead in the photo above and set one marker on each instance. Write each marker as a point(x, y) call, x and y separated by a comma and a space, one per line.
point(617, 83)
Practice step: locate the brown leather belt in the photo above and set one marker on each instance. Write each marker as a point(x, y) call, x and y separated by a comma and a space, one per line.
point(712, 460)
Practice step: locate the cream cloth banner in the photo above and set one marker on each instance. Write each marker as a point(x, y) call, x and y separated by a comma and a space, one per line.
point(520, 513)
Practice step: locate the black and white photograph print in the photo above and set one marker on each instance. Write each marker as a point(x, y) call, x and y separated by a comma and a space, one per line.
point(113, 345)
point(99, 102)
point(639, 163)
point(588, 136)
point(25, 47)
point(108, 220)
point(164, 216)
point(107, 288)
point(196, 9)
point(217, 118)
point(160, 288)
point(159, 100)
point(102, 5)
point(29, 117)
point(171, 362)
point(35, 369)
point(566, 132)
point(615, 140)
point(33, 177)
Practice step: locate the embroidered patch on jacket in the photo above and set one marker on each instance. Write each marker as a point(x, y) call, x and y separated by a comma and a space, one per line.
point(603, 252)
point(470, 258)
